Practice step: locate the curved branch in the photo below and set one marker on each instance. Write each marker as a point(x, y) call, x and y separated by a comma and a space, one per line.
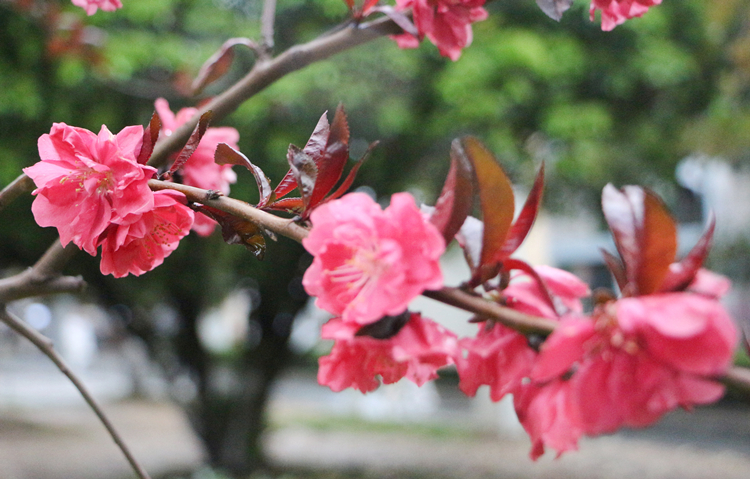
point(21, 185)
point(44, 344)
point(264, 73)
point(44, 277)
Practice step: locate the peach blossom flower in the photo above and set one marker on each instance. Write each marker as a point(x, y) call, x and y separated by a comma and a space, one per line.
point(87, 181)
point(615, 12)
point(369, 262)
point(141, 242)
point(92, 5)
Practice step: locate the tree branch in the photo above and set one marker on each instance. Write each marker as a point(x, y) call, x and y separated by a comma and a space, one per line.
point(21, 185)
point(44, 344)
point(44, 277)
point(264, 73)
point(240, 209)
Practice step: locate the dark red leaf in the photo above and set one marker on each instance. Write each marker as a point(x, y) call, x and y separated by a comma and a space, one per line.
point(226, 155)
point(332, 160)
point(305, 173)
point(290, 205)
point(150, 135)
point(681, 274)
point(495, 195)
point(525, 220)
point(315, 147)
point(657, 236)
point(347, 183)
point(192, 143)
point(618, 211)
point(236, 230)
point(457, 197)
point(219, 63)
point(616, 268)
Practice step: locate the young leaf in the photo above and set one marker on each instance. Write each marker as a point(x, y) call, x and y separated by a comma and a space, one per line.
point(525, 220)
point(554, 8)
point(495, 195)
point(618, 212)
point(219, 63)
point(314, 147)
point(347, 183)
point(616, 268)
point(192, 143)
point(226, 155)
point(657, 237)
point(290, 205)
point(332, 160)
point(457, 197)
point(150, 135)
point(511, 263)
point(305, 173)
point(681, 274)
point(236, 230)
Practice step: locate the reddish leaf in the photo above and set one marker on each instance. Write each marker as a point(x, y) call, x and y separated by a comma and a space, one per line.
point(511, 263)
point(616, 268)
point(192, 143)
point(305, 173)
point(291, 205)
point(332, 160)
point(457, 197)
point(495, 195)
point(236, 230)
point(525, 220)
point(350, 4)
point(314, 147)
point(347, 183)
point(150, 135)
point(226, 155)
point(681, 274)
point(618, 212)
point(219, 63)
point(657, 236)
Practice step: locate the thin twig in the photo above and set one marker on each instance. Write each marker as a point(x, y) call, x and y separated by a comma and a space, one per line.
point(21, 185)
point(264, 73)
point(282, 226)
point(267, 20)
point(44, 344)
point(44, 277)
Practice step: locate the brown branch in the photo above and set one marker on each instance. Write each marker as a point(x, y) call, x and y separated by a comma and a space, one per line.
point(44, 344)
point(44, 277)
point(282, 226)
point(21, 185)
point(264, 73)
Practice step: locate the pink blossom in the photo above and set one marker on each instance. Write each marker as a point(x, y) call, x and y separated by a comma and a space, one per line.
point(369, 262)
point(201, 170)
point(415, 352)
point(92, 5)
point(548, 417)
point(615, 12)
point(637, 359)
point(86, 181)
point(447, 23)
point(501, 357)
point(141, 242)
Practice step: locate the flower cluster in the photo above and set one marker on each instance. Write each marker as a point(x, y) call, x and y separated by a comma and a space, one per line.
point(91, 6)
point(201, 170)
point(93, 190)
point(615, 12)
point(447, 23)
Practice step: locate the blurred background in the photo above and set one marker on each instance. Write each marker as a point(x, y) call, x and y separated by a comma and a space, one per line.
point(207, 363)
